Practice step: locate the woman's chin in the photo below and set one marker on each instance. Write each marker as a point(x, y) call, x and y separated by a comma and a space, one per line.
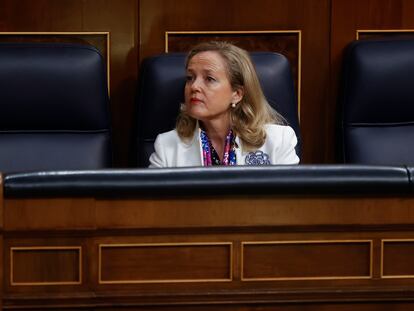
point(196, 113)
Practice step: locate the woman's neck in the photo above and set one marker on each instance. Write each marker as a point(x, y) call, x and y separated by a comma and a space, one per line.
point(217, 131)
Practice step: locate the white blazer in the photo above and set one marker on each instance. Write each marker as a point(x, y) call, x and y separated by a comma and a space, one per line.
point(279, 148)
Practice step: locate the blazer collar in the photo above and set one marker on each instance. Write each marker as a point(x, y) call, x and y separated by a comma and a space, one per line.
point(240, 153)
point(196, 146)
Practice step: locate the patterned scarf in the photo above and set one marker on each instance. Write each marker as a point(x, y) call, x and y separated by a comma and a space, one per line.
point(210, 156)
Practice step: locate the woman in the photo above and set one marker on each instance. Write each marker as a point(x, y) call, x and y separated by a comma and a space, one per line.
point(225, 119)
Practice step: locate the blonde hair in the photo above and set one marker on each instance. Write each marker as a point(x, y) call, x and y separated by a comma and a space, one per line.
point(251, 114)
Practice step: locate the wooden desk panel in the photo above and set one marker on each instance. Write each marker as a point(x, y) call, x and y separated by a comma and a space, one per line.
point(210, 253)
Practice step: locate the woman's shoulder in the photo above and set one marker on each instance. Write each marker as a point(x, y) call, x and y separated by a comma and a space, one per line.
point(281, 142)
point(278, 128)
point(280, 134)
point(170, 136)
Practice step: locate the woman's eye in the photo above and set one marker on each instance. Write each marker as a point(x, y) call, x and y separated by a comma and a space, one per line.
point(189, 78)
point(210, 79)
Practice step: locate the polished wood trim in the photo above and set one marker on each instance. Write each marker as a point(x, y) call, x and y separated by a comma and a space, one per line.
point(68, 33)
point(108, 61)
point(29, 214)
point(370, 242)
point(298, 32)
point(360, 31)
point(25, 248)
point(269, 211)
point(390, 276)
point(114, 245)
point(167, 33)
point(54, 32)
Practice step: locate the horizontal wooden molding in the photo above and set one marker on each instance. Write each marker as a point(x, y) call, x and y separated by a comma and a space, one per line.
point(360, 32)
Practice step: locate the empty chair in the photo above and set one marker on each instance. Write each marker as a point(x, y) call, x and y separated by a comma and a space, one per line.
point(54, 112)
point(161, 90)
point(378, 102)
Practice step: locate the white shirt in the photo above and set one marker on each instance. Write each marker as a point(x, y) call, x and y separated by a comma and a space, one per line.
point(279, 148)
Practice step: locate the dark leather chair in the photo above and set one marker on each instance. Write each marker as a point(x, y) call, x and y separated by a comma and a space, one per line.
point(161, 90)
point(54, 107)
point(378, 102)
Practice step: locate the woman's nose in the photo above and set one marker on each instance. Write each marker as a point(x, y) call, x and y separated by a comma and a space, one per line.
point(196, 84)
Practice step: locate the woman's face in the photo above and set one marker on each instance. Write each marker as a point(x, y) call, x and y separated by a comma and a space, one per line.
point(208, 93)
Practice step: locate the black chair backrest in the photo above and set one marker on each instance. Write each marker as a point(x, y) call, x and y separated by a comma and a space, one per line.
point(378, 102)
point(161, 90)
point(54, 107)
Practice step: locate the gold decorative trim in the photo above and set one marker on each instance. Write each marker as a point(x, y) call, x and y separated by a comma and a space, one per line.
point(391, 276)
point(298, 32)
point(370, 242)
point(229, 279)
point(34, 248)
point(358, 31)
point(106, 33)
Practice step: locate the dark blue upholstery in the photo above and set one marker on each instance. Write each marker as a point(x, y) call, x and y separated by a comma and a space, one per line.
point(378, 102)
point(410, 170)
point(195, 181)
point(54, 111)
point(161, 90)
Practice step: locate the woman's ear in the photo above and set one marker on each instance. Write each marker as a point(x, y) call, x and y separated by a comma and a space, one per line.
point(238, 95)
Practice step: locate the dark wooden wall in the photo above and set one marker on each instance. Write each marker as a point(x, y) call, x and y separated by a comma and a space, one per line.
point(138, 29)
point(119, 17)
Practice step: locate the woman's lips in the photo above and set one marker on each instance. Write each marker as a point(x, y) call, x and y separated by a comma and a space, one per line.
point(195, 101)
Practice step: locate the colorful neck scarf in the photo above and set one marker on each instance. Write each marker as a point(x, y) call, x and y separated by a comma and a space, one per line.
point(210, 156)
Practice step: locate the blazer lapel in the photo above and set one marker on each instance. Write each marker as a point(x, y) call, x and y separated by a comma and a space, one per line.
point(240, 154)
point(193, 154)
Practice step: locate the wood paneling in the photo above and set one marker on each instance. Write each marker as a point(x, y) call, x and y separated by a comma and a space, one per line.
point(21, 215)
point(389, 33)
point(45, 266)
point(397, 259)
point(312, 17)
point(120, 18)
point(165, 263)
point(153, 214)
point(351, 306)
point(305, 260)
point(309, 250)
